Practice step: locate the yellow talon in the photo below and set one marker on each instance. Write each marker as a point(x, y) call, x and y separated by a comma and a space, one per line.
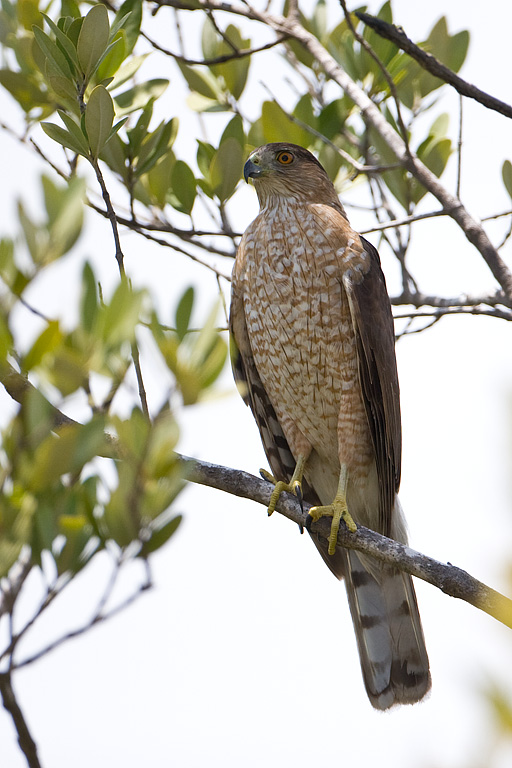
point(338, 510)
point(294, 486)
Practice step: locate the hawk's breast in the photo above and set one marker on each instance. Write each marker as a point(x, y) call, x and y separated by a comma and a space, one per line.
point(298, 318)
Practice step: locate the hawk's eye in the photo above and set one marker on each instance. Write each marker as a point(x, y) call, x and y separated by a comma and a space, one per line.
point(285, 158)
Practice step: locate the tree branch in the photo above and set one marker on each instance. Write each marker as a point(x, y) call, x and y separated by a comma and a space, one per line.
point(448, 578)
point(452, 206)
point(238, 54)
point(397, 36)
point(25, 740)
point(451, 580)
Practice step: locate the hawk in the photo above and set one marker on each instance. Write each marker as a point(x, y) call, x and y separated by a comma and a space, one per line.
point(313, 356)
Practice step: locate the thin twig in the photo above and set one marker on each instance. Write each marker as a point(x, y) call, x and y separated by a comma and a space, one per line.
point(98, 618)
point(437, 314)
point(238, 54)
point(402, 222)
point(433, 65)
point(389, 80)
point(459, 148)
point(111, 215)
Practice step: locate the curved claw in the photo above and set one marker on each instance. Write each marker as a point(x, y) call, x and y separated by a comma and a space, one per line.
point(265, 474)
point(294, 486)
point(338, 510)
point(309, 523)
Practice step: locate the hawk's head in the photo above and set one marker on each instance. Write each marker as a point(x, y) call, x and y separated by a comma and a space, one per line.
point(283, 170)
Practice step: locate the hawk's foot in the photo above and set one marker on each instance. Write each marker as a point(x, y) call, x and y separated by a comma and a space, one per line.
point(294, 486)
point(338, 510)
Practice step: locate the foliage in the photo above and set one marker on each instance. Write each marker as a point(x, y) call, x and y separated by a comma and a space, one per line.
point(55, 497)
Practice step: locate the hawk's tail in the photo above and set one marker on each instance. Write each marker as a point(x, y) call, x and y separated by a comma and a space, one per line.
point(389, 635)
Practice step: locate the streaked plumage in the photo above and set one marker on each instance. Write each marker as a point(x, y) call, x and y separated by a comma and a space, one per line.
point(314, 357)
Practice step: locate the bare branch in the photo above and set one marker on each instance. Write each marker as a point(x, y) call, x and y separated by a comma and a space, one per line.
point(238, 54)
point(433, 65)
point(448, 578)
point(25, 740)
point(437, 314)
point(402, 222)
point(451, 580)
point(99, 617)
point(419, 299)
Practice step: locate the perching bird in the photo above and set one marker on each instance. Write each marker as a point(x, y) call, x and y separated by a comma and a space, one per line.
point(313, 355)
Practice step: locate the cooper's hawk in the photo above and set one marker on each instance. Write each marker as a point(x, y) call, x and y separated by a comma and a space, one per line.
point(314, 358)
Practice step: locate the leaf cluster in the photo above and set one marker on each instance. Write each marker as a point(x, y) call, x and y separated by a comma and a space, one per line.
point(69, 490)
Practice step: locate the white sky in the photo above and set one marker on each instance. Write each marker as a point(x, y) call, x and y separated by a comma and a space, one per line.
point(244, 653)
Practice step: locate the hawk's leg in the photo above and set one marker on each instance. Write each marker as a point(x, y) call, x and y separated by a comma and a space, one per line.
point(337, 510)
point(294, 486)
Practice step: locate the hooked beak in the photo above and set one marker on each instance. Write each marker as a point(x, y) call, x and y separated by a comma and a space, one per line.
point(251, 171)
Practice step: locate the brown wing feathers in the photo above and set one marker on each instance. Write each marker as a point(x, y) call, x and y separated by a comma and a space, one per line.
point(373, 324)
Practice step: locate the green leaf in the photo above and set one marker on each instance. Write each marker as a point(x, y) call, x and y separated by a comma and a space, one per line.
point(113, 57)
point(69, 8)
point(35, 243)
point(183, 187)
point(99, 116)
point(75, 130)
point(89, 298)
point(52, 53)
point(161, 536)
point(65, 90)
point(120, 317)
point(304, 112)
point(198, 103)
point(226, 168)
point(46, 343)
point(65, 208)
point(138, 96)
point(209, 40)
point(63, 137)
point(234, 129)
point(506, 173)
point(158, 179)
point(201, 81)
point(184, 312)
point(68, 451)
point(77, 532)
point(139, 131)
point(131, 13)
point(234, 72)
point(277, 126)
point(115, 128)
point(24, 89)
point(93, 39)
point(114, 154)
point(28, 13)
point(127, 70)
point(205, 155)
point(156, 144)
point(65, 43)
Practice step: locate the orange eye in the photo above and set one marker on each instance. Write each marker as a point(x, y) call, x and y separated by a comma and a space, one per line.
point(285, 158)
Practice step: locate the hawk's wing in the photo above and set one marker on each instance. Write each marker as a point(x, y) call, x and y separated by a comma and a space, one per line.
point(373, 325)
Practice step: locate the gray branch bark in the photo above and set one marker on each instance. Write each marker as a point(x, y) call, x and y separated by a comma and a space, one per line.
point(448, 578)
point(433, 65)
